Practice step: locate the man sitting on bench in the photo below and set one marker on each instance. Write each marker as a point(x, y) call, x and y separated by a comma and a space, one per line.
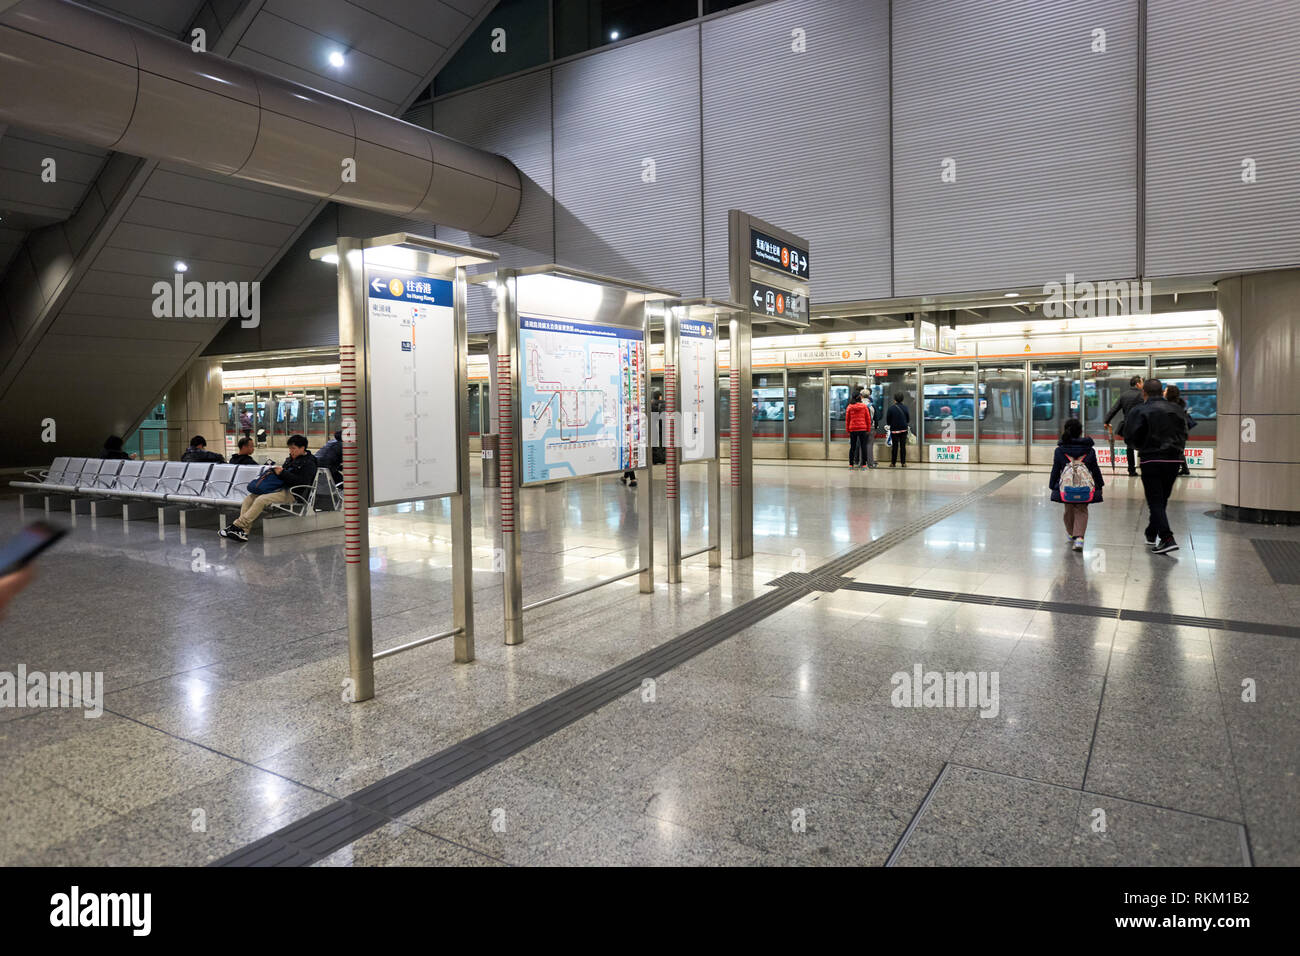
point(272, 487)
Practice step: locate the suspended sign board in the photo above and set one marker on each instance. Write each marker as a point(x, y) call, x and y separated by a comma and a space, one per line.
point(778, 303)
point(413, 388)
point(582, 401)
point(698, 390)
point(775, 254)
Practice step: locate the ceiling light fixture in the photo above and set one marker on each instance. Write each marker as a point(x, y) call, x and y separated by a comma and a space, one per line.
point(1010, 295)
point(337, 59)
point(181, 267)
point(613, 34)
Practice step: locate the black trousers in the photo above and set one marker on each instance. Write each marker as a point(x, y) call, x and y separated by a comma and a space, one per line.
point(1158, 478)
point(898, 448)
point(858, 447)
point(1132, 458)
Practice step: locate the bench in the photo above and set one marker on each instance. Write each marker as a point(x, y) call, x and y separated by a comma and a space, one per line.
point(174, 489)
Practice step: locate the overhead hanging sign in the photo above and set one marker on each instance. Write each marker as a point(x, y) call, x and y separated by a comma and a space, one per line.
point(411, 350)
point(778, 303)
point(775, 254)
point(856, 354)
point(698, 389)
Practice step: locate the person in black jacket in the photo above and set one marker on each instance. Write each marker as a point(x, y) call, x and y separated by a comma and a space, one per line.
point(113, 448)
point(244, 456)
point(198, 451)
point(298, 469)
point(1073, 446)
point(1128, 399)
point(1158, 430)
point(896, 420)
point(1174, 394)
point(331, 456)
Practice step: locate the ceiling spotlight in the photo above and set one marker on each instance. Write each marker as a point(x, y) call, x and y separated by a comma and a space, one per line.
point(1010, 295)
point(613, 34)
point(337, 59)
point(181, 267)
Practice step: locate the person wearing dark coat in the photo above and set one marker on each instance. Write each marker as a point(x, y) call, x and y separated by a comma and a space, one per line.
point(198, 451)
point(1128, 399)
point(331, 456)
point(113, 449)
point(1075, 446)
point(244, 456)
point(897, 420)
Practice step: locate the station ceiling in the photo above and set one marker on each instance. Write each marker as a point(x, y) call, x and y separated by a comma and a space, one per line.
point(142, 216)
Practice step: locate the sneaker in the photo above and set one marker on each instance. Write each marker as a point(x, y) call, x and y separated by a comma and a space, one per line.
point(1165, 546)
point(239, 534)
point(631, 483)
point(1078, 544)
point(1151, 539)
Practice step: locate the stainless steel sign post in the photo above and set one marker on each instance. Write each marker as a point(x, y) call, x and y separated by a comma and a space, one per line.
point(403, 355)
point(692, 427)
point(769, 269)
point(572, 386)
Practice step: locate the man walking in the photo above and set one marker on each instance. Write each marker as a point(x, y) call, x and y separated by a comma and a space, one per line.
point(1128, 400)
point(1158, 430)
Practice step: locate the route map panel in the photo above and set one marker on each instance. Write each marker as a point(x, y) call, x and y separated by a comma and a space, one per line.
point(697, 395)
point(411, 338)
point(582, 401)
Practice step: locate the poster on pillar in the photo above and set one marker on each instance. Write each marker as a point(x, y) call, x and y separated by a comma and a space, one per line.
point(412, 374)
point(697, 390)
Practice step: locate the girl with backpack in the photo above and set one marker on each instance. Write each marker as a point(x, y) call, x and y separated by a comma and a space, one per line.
point(1076, 480)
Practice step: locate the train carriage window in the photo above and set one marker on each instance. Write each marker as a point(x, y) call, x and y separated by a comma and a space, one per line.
point(1054, 392)
point(1198, 381)
point(1002, 397)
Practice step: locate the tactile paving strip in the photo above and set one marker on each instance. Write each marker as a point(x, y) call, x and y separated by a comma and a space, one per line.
point(331, 828)
point(1087, 610)
point(1280, 558)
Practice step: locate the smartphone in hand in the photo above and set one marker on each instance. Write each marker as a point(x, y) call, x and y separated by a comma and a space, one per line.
point(22, 548)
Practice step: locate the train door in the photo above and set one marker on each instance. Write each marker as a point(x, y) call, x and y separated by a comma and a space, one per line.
point(885, 384)
point(807, 418)
point(1001, 410)
point(770, 411)
point(948, 409)
point(1104, 380)
point(839, 389)
point(1198, 382)
point(1053, 400)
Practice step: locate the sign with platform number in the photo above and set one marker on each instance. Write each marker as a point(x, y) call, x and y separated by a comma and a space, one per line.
point(411, 348)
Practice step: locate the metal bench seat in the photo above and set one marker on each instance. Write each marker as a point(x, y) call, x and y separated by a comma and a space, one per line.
point(225, 487)
point(38, 480)
point(175, 474)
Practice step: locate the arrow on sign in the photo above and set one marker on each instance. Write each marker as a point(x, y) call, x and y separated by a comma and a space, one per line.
point(377, 285)
point(758, 302)
point(803, 263)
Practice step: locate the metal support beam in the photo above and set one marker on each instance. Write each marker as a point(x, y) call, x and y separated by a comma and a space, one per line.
point(356, 477)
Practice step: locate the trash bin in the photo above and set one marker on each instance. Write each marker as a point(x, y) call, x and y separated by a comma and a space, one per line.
point(491, 462)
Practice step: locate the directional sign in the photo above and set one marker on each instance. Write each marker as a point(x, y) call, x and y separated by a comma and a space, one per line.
point(779, 303)
point(775, 254)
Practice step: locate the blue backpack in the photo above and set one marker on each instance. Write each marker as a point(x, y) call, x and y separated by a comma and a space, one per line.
point(265, 483)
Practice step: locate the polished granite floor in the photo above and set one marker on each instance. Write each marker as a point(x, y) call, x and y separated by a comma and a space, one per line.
point(1115, 742)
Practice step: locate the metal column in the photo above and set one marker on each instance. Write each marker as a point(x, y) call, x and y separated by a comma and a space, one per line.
point(462, 557)
point(672, 357)
point(356, 452)
point(507, 381)
point(645, 486)
point(742, 439)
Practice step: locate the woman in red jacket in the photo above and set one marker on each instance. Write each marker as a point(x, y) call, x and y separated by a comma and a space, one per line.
point(857, 418)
